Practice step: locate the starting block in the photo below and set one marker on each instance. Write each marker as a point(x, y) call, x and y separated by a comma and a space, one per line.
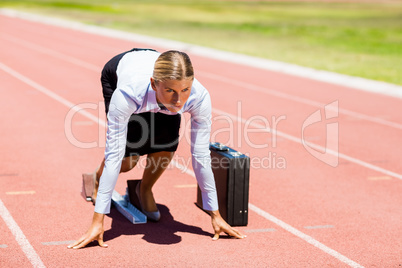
point(88, 181)
point(122, 203)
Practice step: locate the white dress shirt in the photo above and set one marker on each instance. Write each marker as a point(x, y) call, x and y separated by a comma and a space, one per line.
point(134, 95)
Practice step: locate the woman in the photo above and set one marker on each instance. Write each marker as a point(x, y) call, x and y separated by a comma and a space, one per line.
point(145, 94)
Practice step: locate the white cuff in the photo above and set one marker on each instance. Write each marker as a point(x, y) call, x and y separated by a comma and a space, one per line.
point(209, 201)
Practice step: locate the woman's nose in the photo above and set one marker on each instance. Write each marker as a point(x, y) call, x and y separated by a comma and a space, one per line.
point(176, 98)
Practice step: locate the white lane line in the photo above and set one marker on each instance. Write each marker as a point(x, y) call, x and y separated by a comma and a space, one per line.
point(97, 120)
point(260, 230)
point(56, 243)
point(290, 229)
point(278, 94)
point(186, 186)
point(26, 247)
point(379, 178)
point(51, 52)
point(233, 82)
point(20, 192)
point(303, 236)
point(51, 94)
point(356, 83)
point(186, 170)
point(83, 123)
point(312, 145)
point(319, 227)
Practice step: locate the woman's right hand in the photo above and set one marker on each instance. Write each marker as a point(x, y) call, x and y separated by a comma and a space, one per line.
point(95, 232)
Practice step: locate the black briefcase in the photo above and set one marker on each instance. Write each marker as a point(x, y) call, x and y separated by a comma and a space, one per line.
point(231, 171)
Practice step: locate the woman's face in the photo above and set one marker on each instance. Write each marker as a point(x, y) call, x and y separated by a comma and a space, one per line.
point(173, 94)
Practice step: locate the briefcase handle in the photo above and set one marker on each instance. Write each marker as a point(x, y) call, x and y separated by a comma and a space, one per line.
point(217, 146)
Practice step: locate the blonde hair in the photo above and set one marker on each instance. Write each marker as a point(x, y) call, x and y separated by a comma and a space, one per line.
point(173, 65)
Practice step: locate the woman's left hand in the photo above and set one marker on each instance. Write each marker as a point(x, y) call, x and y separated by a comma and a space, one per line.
point(220, 225)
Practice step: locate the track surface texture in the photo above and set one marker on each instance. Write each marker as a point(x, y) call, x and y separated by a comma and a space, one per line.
point(325, 182)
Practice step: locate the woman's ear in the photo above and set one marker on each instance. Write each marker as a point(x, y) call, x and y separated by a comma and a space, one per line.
point(153, 83)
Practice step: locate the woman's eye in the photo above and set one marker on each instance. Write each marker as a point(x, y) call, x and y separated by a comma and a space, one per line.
point(169, 90)
point(184, 90)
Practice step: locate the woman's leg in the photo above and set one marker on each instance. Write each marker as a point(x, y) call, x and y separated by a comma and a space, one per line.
point(156, 165)
point(127, 164)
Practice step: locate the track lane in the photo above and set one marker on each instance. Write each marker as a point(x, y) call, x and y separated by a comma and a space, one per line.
point(391, 139)
point(48, 200)
point(271, 82)
point(15, 257)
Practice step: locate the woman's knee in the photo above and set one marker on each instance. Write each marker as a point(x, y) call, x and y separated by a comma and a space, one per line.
point(129, 163)
point(158, 161)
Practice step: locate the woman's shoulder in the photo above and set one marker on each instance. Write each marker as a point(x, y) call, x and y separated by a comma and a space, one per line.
point(137, 62)
point(198, 89)
point(142, 55)
point(199, 97)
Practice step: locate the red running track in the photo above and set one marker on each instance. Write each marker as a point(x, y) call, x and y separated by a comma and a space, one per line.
point(303, 212)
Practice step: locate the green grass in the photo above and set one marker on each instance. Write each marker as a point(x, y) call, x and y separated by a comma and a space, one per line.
point(357, 39)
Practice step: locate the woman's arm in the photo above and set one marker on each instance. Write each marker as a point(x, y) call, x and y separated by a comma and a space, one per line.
point(201, 160)
point(120, 110)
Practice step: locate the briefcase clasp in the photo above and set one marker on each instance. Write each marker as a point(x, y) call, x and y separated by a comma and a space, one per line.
point(217, 146)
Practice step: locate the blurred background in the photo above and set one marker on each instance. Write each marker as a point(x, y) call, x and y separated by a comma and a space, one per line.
point(359, 38)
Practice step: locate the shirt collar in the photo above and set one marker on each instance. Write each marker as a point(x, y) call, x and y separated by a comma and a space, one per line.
point(152, 104)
